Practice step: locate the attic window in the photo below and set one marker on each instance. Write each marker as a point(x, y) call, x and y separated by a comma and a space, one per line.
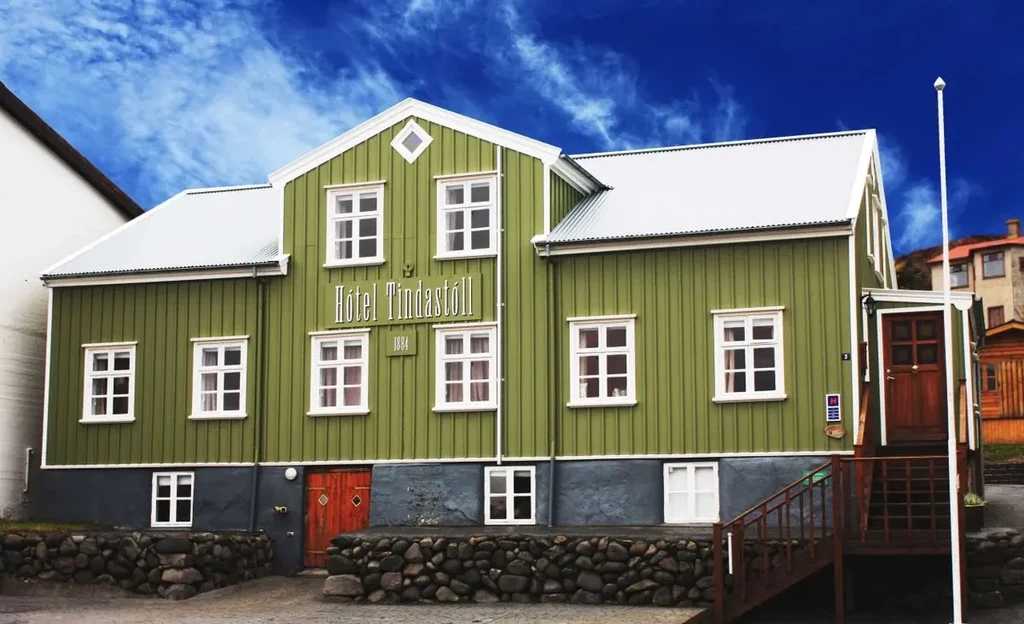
point(411, 141)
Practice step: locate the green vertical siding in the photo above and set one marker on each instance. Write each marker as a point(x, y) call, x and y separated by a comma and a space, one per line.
point(162, 318)
point(563, 198)
point(672, 292)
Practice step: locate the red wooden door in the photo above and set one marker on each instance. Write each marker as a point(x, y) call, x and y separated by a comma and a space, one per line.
point(915, 391)
point(336, 502)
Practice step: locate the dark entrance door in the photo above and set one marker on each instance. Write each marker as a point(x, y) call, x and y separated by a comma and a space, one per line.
point(336, 502)
point(915, 391)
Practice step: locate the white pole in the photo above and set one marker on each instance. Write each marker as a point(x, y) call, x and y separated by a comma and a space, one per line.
point(947, 323)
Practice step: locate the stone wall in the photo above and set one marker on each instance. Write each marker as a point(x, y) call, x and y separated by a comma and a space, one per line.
point(590, 570)
point(172, 565)
point(995, 567)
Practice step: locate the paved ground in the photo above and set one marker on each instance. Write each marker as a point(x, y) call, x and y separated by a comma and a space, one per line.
point(1004, 506)
point(285, 601)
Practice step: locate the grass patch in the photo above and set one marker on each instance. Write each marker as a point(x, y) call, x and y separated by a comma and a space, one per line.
point(43, 527)
point(1004, 452)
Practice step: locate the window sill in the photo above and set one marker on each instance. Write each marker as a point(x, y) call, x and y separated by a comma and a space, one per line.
point(468, 256)
point(361, 411)
point(354, 263)
point(216, 416)
point(691, 523)
point(748, 398)
point(603, 403)
point(106, 421)
point(451, 409)
point(510, 522)
point(172, 525)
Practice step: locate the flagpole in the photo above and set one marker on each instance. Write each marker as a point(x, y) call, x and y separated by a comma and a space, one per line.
point(947, 324)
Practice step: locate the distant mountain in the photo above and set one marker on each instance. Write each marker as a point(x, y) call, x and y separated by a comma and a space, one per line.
point(913, 271)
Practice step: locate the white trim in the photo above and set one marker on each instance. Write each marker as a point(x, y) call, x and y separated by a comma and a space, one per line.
point(961, 300)
point(374, 462)
point(106, 420)
point(698, 455)
point(263, 269)
point(466, 359)
point(749, 344)
point(220, 370)
point(509, 494)
point(355, 186)
point(603, 353)
point(357, 263)
point(48, 360)
point(355, 218)
point(467, 325)
point(566, 169)
point(339, 365)
point(600, 317)
point(100, 345)
point(173, 500)
point(568, 248)
point(466, 209)
point(280, 229)
point(854, 398)
point(404, 110)
point(969, 377)
point(499, 300)
point(691, 476)
point(109, 375)
point(150, 465)
point(454, 177)
point(546, 194)
point(411, 128)
point(339, 332)
point(861, 174)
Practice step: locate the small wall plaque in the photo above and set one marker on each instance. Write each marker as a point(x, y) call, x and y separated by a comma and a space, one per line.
point(835, 431)
point(401, 343)
point(833, 414)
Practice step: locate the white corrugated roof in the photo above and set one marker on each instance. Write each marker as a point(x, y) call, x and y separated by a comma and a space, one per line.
point(770, 183)
point(198, 228)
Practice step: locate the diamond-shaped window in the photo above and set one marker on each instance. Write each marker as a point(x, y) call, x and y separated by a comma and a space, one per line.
point(322, 500)
point(356, 501)
point(411, 141)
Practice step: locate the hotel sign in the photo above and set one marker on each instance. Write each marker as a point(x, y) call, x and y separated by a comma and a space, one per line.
point(432, 299)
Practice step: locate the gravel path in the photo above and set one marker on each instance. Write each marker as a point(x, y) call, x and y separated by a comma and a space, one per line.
point(1004, 506)
point(297, 600)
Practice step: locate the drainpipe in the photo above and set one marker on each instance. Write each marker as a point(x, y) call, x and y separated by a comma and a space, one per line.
point(499, 305)
point(555, 386)
point(261, 332)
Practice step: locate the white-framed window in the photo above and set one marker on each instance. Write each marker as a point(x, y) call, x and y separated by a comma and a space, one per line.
point(339, 381)
point(109, 383)
point(411, 141)
point(992, 265)
point(465, 367)
point(355, 224)
point(173, 493)
point(465, 217)
point(510, 495)
point(749, 355)
point(219, 377)
point(958, 275)
point(602, 361)
point(691, 493)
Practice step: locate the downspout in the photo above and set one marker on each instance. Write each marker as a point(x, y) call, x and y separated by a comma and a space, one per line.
point(499, 304)
point(555, 387)
point(261, 332)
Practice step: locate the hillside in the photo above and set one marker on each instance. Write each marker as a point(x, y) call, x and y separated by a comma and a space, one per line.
point(912, 270)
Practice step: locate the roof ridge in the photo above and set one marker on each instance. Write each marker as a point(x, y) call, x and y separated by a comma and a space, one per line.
point(226, 189)
point(696, 146)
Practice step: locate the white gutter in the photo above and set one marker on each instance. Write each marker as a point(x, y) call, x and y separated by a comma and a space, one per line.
point(499, 304)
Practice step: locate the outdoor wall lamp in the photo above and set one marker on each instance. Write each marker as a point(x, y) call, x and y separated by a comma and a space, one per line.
point(869, 304)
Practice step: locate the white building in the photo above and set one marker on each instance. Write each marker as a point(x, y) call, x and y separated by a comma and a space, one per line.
point(52, 202)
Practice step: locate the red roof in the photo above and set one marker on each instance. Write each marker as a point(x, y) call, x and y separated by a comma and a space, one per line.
point(964, 251)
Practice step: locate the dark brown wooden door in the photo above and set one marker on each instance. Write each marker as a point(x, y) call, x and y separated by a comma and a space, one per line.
point(336, 502)
point(915, 391)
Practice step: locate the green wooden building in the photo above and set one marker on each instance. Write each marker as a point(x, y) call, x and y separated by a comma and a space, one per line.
point(431, 320)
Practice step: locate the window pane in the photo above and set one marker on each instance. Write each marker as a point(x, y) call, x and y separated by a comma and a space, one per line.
point(209, 401)
point(735, 358)
point(367, 247)
point(209, 381)
point(163, 486)
point(411, 142)
point(232, 381)
point(735, 331)
point(680, 505)
point(453, 371)
point(368, 227)
point(353, 375)
point(480, 239)
point(616, 386)
point(522, 507)
point(617, 364)
point(925, 329)
point(99, 407)
point(99, 386)
point(927, 353)
point(352, 396)
point(328, 351)
point(704, 506)
point(343, 250)
point(479, 391)
point(211, 356)
point(902, 355)
point(100, 362)
point(480, 192)
point(590, 388)
point(479, 218)
point(328, 397)
point(704, 478)
point(184, 508)
point(343, 205)
point(735, 382)
point(764, 329)
point(589, 365)
point(901, 330)
point(456, 241)
point(498, 511)
point(764, 381)
point(764, 357)
point(343, 229)
point(353, 350)
point(589, 338)
point(455, 194)
point(479, 369)
point(521, 482)
point(121, 385)
point(367, 203)
point(184, 486)
point(498, 482)
point(453, 345)
point(120, 406)
point(163, 510)
point(232, 356)
point(455, 220)
point(616, 336)
point(328, 376)
point(232, 401)
point(479, 344)
point(122, 361)
point(453, 393)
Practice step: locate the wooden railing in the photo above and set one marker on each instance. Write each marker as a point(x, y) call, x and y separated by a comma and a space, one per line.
point(864, 446)
point(966, 418)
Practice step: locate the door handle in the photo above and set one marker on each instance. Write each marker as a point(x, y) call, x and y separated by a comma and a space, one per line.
point(890, 378)
point(914, 368)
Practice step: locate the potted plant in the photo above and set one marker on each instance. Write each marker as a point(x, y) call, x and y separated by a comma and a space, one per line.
point(974, 512)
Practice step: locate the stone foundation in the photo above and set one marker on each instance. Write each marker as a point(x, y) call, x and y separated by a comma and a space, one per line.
point(995, 567)
point(172, 565)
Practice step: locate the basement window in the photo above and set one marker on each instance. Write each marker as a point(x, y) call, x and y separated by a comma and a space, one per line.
point(602, 361)
point(109, 383)
point(411, 141)
point(510, 495)
point(218, 378)
point(749, 355)
point(355, 225)
point(339, 380)
point(172, 499)
point(691, 493)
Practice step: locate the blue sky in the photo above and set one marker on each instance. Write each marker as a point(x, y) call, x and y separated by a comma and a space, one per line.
point(167, 94)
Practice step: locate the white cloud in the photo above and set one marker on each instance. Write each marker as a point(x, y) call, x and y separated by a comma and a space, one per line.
point(197, 89)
